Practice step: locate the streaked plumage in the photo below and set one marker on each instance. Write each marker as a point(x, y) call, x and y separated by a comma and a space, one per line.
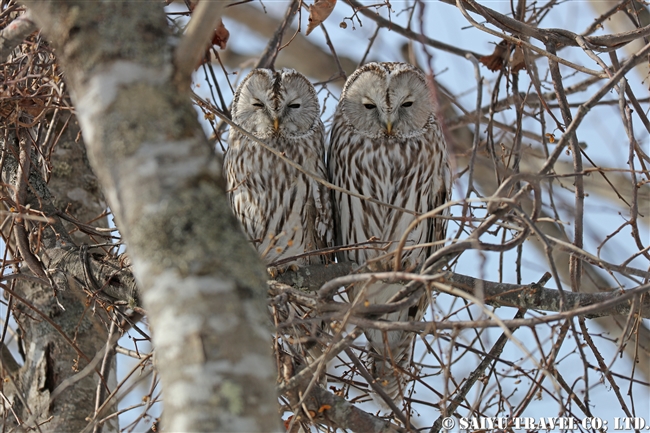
point(386, 143)
point(284, 212)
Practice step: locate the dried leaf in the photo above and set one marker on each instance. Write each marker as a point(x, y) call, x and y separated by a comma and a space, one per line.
point(219, 38)
point(318, 12)
point(287, 422)
point(496, 60)
point(517, 62)
point(221, 35)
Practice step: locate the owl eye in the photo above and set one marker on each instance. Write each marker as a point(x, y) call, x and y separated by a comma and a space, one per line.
point(258, 104)
point(294, 105)
point(370, 106)
point(407, 104)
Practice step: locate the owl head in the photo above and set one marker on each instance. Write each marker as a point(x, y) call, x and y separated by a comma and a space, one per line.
point(382, 99)
point(282, 103)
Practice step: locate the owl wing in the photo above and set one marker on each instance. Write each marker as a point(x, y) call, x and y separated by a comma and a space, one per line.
point(440, 190)
point(337, 152)
point(238, 183)
point(324, 221)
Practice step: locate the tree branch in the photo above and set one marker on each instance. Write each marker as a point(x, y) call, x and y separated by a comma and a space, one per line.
point(528, 296)
point(409, 34)
point(193, 44)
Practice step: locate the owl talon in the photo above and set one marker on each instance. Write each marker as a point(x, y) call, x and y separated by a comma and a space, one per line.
point(275, 271)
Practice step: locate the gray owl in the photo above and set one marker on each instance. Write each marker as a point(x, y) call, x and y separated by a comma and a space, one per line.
point(284, 212)
point(386, 143)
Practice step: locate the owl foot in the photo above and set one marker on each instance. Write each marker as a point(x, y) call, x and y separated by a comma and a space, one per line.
point(275, 271)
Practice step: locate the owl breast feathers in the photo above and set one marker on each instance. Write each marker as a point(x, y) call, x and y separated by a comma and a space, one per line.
point(284, 212)
point(387, 144)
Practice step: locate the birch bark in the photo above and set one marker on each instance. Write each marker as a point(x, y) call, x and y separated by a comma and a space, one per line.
point(202, 284)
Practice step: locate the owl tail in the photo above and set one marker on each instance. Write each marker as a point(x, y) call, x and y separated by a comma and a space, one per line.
point(389, 359)
point(389, 366)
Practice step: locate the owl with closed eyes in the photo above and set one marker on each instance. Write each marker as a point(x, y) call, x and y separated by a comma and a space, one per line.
point(386, 143)
point(284, 212)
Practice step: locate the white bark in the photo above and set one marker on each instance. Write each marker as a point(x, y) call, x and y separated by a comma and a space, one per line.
point(202, 284)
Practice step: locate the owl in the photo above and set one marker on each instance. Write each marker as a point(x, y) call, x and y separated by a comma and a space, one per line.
point(386, 143)
point(285, 213)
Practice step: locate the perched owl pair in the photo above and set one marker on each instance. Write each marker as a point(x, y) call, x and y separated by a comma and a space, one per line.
point(385, 143)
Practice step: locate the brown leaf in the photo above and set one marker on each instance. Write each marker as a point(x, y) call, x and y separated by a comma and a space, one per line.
point(287, 422)
point(221, 35)
point(219, 38)
point(318, 12)
point(495, 61)
point(517, 62)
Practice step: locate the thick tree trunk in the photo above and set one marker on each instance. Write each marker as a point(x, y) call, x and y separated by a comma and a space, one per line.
point(59, 333)
point(202, 283)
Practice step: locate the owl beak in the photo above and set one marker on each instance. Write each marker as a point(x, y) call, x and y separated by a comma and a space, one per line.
point(389, 127)
point(276, 124)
